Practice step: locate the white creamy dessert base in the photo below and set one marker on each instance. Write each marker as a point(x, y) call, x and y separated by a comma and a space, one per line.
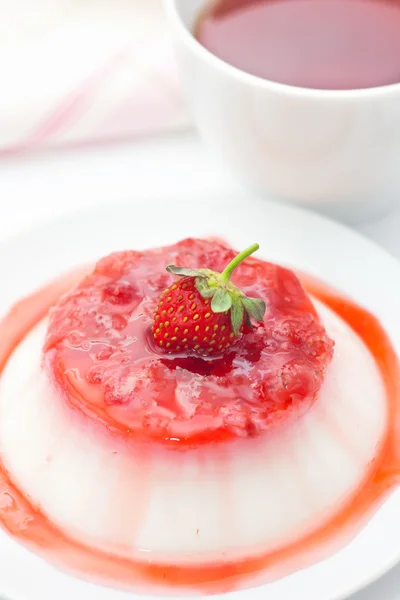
point(214, 502)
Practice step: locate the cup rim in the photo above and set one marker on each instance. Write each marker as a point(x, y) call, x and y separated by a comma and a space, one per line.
point(247, 78)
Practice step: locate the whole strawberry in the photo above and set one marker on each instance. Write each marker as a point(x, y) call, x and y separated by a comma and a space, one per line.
point(203, 313)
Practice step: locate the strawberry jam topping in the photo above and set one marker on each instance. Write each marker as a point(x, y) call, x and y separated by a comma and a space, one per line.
point(99, 351)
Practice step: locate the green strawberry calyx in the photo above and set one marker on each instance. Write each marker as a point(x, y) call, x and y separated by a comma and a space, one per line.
point(226, 296)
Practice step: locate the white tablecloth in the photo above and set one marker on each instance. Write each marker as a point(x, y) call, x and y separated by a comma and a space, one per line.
point(84, 71)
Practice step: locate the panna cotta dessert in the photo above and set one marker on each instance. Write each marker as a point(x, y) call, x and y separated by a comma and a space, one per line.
point(192, 416)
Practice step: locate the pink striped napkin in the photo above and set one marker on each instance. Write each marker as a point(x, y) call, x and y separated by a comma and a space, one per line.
point(84, 71)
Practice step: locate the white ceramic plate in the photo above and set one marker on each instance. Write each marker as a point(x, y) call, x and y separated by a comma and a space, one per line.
point(287, 235)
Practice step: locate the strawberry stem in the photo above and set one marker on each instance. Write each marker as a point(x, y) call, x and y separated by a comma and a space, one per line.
point(227, 272)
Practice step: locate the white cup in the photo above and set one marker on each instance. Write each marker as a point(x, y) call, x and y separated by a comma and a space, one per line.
point(338, 151)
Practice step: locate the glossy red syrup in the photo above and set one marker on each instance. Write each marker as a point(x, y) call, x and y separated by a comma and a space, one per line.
point(31, 528)
point(99, 350)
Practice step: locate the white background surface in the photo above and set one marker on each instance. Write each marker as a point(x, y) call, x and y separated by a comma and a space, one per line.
point(39, 187)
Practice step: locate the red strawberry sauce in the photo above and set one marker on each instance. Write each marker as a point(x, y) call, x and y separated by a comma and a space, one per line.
point(113, 289)
point(99, 350)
